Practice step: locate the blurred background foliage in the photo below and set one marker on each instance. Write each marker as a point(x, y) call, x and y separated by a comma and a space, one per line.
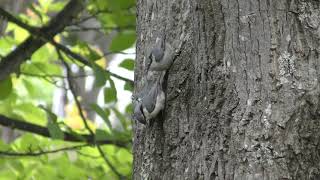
point(54, 90)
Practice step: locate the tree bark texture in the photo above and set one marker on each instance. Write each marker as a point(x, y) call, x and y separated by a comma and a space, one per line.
point(243, 98)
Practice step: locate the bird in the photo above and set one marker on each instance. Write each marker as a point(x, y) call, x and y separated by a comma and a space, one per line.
point(150, 101)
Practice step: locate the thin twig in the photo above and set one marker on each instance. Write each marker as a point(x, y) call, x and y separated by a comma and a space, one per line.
point(117, 52)
point(88, 155)
point(84, 19)
point(109, 163)
point(73, 92)
point(98, 29)
point(53, 75)
point(85, 61)
point(41, 152)
point(94, 14)
point(53, 82)
point(69, 73)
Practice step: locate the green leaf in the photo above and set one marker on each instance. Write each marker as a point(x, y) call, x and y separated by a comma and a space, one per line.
point(110, 94)
point(5, 88)
point(30, 113)
point(127, 64)
point(20, 34)
point(41, 68)
point(123, 41)
point(54, 130)
point(100, 75)
point(85, 50)
point(129, 109)
point(119, 4)
point(128, 86)
point(121, 117)
point(36, 11)
point(123, 21)
point(56, 6)
point(6, 44)
point(27, 141)
point(103, 114)
point(53, 126)
point(34, 87)
point(101, 135)
point(50, 115)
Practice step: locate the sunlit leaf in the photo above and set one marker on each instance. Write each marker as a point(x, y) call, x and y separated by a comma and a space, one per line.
point(7, 43)
point(75, 121)
point(5, 88)
point(56, 6)
point(35, 86)
point(41, 68)
point(44, 4)
point(27, 141)
point(20, 34)
point(30, 113)
point(35, 11)
point(85, 50)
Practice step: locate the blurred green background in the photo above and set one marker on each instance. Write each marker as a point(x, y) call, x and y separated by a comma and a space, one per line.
point(54, 90)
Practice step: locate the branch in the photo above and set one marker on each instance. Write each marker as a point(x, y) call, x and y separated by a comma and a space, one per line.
point(98, 29)
point(16, 21)
point(13, 60)
point(73, 92)
point(40, 130)
point(41, 36)
point(41, 152)
point(109, 163)
point(84, 61)
point(84, 120)
point(53, 75)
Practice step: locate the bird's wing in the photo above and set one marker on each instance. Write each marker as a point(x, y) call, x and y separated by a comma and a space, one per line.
point(149, 101)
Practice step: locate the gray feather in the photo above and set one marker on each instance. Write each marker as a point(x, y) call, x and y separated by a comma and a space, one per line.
point(138, 114)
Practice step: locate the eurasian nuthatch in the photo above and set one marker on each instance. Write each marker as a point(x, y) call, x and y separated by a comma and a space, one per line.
point(161, 56)
point(150, 101)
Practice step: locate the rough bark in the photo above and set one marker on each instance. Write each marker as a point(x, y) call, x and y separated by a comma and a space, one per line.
point(243, 97)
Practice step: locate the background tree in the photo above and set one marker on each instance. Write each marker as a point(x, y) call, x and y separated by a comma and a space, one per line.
point(243, 96)
point(52, 69)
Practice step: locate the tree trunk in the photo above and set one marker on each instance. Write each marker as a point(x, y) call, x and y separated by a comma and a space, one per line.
point(243, 98)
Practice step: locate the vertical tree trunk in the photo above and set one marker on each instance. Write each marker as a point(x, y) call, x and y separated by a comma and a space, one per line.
point(243, 98)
